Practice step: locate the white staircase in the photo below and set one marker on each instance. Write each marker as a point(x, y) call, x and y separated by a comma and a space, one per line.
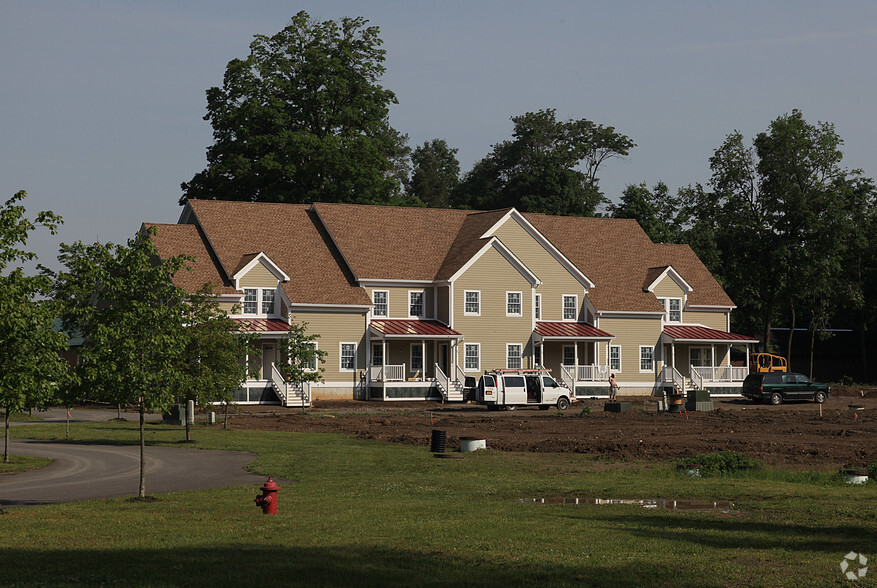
point(289, 393)
point(452, 390)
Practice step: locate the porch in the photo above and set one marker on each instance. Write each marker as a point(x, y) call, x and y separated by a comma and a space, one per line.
point(571, 351)
point(412, 360)
point(265, 384)
point(698, 357)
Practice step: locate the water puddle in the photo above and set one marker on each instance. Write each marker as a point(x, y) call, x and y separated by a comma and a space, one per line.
point(656, 503)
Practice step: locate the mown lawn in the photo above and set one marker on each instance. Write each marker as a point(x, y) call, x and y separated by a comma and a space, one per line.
point(359, 513)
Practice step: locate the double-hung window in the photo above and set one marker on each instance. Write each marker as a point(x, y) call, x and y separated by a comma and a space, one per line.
point(472, 357)
point(570, 307)
point(348, 357)
point(646, 358)
point(310, 363)
point(615, 358)
point(513, 304)
point(672, 309)
point(259, 301)
point(513, 356)
point(569, 355)
point(472, 302)
point(381, 301)
point(251, 301)
point(416, 357)
point(538, 308)
point(415, 304)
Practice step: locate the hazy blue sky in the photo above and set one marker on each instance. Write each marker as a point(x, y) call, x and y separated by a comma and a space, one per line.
point(102, 102)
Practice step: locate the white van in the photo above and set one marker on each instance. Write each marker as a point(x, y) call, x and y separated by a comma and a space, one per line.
point(510, 389)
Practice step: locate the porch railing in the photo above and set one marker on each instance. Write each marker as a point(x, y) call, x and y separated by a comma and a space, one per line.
point(592, 373)
point(567, 378)
point(722, 373)
point(443, 380)
point(387, 373)
point(279, 383)
point(671, 374)
point(461, 375)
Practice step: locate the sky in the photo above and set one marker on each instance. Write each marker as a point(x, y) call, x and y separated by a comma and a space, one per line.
point(102, 102)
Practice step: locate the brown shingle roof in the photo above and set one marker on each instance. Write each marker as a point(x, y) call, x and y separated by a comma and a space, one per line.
point(291, 236)
point(172, 240)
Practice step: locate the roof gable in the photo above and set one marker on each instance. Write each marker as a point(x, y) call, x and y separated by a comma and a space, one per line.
point(656, 275)
point(248, 262)
point(506, 253)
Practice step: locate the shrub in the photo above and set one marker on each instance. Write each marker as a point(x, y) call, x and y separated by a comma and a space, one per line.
point(585, 411)
point(724, 463)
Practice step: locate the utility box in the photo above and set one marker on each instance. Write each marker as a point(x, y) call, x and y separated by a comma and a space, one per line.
point(176, 415)
point(699, 401)
point(617, 406)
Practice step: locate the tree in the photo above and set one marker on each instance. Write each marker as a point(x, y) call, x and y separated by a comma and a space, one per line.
point(304, 118)
point(778, 218)
point(212, 369)
point(303, 357)
point(436, 174)
point(539, 169)
point(133, 321)
point(32, 369)
point(656, 210)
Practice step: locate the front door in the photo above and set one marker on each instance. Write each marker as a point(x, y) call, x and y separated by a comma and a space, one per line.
point(268, 359)
point(443, 359)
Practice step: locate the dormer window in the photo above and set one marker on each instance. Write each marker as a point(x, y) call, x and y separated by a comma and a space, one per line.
point(259, 301)
point(672, 309)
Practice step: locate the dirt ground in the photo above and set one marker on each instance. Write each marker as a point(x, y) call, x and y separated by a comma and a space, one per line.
point(792, 435)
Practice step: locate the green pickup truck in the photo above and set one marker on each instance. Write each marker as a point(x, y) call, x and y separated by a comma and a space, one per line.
point(777, 387)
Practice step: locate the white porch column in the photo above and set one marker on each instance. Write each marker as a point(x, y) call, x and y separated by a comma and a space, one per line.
point(423, 360)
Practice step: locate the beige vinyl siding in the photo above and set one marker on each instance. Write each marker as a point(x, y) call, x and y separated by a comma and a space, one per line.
point(259, 277)
point(630, 333)
point(493, 276)
point(713, 320)
point(556, 280)
point(227, 307)
point(398, 300)
point(334, 328)
point(667, 288)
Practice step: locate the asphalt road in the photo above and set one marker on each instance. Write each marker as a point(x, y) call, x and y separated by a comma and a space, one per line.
point(84, 471)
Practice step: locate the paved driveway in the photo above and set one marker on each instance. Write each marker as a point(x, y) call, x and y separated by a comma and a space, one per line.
point(84, 471)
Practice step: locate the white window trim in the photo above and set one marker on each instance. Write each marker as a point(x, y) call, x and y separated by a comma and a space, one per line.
point(466, 312)
point(383, 359)
point(563, 298)
point(387, 292)
point(260, 312)
point(609, 359)
point(707, 354)
point(422, 304)
point(563, 353)
point(478, 367)
point(316, 357)
point(520, 347)
point(651, 369)
point(665, 302)
point(411, 368)
point(520, 303)
point(341, 367)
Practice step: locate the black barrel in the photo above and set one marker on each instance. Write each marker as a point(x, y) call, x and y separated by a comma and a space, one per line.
point(439, 438)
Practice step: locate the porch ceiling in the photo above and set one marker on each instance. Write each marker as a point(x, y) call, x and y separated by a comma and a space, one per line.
point(553, 330)
point(261, 325)
point(701, 334)
point(412, 329)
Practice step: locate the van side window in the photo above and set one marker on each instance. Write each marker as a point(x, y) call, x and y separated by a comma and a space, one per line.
point(514, 381)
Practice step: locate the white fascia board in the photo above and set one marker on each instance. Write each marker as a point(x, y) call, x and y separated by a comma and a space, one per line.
point(542, 240)
point(495, 243)
point(710, 308)
point(334, 242)
point(269, 265)
point(377, 283)
point(675, 276)
point(352, 308)
point(628, 313)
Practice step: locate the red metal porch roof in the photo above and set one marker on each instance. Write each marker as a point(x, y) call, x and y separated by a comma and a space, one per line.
point(704, 334)
point(260, 325)
point(565, 330)
point(413, 328)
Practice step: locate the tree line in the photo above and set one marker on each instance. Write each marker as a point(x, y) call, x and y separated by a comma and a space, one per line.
point(784, 227)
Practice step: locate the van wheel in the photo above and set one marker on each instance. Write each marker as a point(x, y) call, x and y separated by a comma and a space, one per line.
point(819, 397)
point(562, 403)
point(510, 407)
point(776, 398)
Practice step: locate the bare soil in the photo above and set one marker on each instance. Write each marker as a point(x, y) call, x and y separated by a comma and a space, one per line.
point(792, 435)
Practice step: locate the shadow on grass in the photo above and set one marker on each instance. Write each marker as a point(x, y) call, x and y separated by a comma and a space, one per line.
point(356, 565)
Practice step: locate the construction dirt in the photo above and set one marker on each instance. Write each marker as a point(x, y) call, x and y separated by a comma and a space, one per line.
point(792, 435)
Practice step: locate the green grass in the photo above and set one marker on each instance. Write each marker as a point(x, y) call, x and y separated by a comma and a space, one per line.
point(361, 513)
point(22, 463)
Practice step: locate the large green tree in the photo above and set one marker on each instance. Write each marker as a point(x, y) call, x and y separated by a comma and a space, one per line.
point(304, 358)
point(133, 321)
point(31, 369)
point(304, 118)
point(548, 166)
point(435, 175)
point(778, 218)
point(656, 210)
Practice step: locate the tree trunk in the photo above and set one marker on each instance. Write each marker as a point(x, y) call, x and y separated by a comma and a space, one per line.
point(863, 338)
point(791, 333)
point(119, 411)
point(6, 438)
point(812, 346)
point(68, 422)
point(188, 437)
point(225, 424)
point(142, 493)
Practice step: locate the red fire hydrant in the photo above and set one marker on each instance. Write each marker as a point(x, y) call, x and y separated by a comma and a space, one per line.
point(268, 499)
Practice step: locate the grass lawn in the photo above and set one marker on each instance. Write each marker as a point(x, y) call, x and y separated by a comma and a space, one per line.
point(362, 513)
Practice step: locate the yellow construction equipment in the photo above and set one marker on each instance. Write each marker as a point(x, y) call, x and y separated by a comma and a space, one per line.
point(766, 362)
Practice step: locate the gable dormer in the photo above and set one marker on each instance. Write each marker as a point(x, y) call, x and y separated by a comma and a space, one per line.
point(259, 279)
point(671, 290)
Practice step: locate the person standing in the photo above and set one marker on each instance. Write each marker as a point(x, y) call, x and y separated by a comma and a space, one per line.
point(613, 388)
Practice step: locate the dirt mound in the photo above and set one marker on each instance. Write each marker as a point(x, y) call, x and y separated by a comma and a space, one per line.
point(793, 435)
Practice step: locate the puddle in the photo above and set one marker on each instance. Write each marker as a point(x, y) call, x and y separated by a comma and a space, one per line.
point(657, 503)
